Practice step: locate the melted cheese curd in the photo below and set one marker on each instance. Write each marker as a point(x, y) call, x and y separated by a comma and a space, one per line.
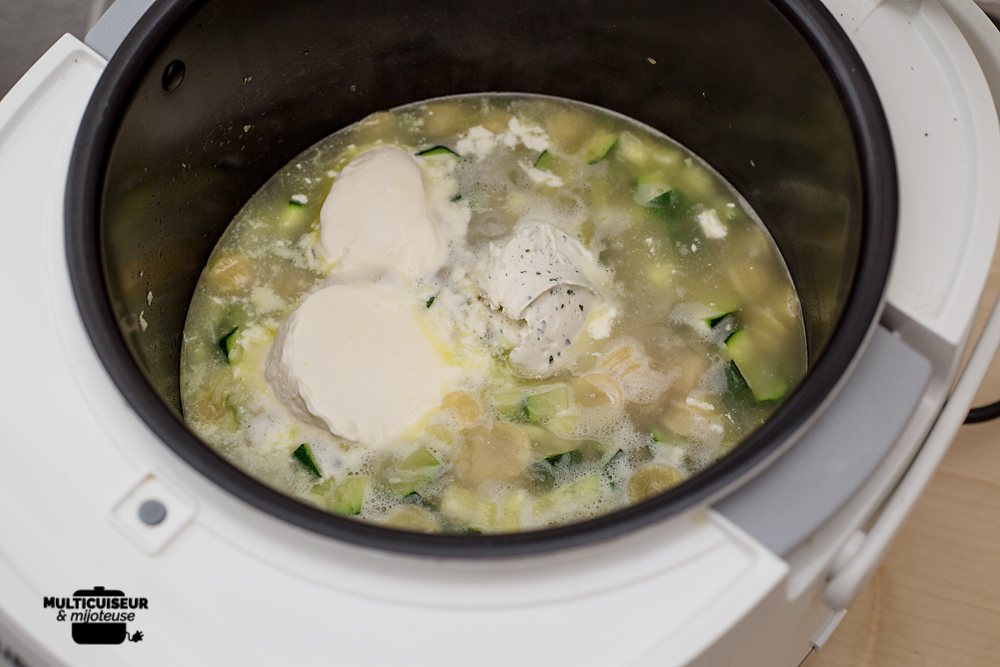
point(488, 314)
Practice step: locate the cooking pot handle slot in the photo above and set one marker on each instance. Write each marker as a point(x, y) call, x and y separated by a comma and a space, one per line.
point(825, 468)
point(117, 22)
point(849, 579)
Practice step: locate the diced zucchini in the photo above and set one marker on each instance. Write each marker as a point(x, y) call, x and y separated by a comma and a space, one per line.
point(468, 509)
point(614, 468)
point(544, 161)
point(619, 456)
point(349, 496)
point(633, 149)
point(737, 338)
point(546, 443)
point(437, 150)
point(407, 485)
point(556, 165)
point(722, 324)
point(667, 445)
point(715, 320)
point(421, 458)
point(572, 495)
point(513, 506)
point(598, 146)
point(414, 472)
point(546, 405)
point(415, 498)
point(228, 345)
point(511, 407)
point(765, 383)
point(544, 472)
point(303, 453)
point(664, 435)
point(650, 185)
point(737, 384)
point(571, 457)
point(671, 206)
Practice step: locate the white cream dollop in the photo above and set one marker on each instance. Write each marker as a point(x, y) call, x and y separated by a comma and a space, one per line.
point(538, 277)
point(377, 213)
point(356, 360)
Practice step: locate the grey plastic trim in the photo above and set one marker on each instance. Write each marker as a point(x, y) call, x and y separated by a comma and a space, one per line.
point(116, 23)
point(799, 492)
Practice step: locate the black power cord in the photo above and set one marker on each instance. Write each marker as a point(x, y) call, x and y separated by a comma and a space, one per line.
point(983, 414)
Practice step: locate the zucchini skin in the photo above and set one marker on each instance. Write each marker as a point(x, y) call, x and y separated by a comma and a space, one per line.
point(438, 150)
point(544, 471)
point(228, 344)
point(672, 206)
point(599, 147)
point(764, 384)
point(303, 454)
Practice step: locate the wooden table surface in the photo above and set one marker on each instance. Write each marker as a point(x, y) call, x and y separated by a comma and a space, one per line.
point(935, 600)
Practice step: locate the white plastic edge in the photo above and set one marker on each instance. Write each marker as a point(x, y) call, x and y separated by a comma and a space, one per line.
point(27, 92)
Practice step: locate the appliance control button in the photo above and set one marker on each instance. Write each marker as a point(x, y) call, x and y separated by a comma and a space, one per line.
point(152, 512)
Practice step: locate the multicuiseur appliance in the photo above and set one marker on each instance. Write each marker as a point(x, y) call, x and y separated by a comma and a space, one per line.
point(864, 134)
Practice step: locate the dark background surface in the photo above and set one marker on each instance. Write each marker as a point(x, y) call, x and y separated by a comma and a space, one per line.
point(29, 27)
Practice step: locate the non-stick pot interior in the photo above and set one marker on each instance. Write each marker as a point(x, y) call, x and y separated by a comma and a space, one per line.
point(228, 91)
point(263, 80)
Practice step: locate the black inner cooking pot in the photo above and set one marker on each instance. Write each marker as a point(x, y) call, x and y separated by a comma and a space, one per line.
point(205, 100)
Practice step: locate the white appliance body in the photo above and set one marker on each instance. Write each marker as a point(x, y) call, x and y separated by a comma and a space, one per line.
point(228, 584)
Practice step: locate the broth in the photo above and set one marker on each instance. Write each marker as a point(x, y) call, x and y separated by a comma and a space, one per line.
point(692, 334)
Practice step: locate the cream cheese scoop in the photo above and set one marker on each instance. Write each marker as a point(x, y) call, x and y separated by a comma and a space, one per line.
point(538, 278)
point(357, 361)
point(377, 213)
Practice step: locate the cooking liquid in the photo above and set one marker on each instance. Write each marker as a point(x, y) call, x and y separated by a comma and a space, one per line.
point(620, 418)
